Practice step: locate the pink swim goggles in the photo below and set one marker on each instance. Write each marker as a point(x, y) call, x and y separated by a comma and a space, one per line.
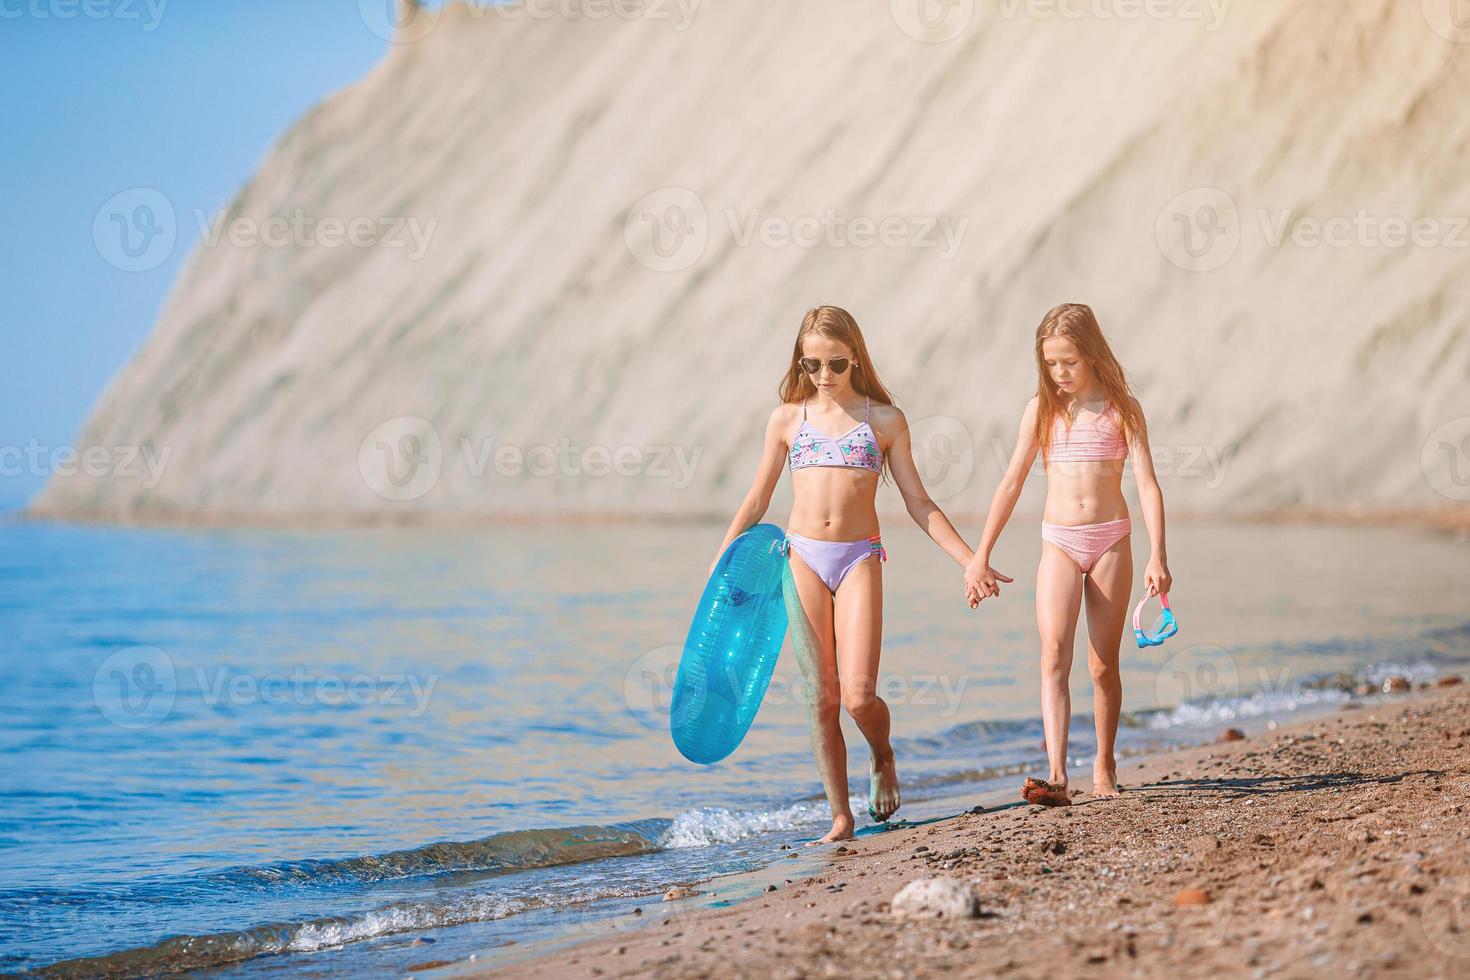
point(1163, 626)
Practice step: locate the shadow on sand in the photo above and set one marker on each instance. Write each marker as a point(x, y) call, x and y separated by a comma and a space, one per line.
point(1240, 786)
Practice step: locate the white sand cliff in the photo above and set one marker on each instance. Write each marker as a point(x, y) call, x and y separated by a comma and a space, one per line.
point(1016, 159)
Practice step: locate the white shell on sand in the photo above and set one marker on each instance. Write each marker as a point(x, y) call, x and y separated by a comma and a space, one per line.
point(936, 898)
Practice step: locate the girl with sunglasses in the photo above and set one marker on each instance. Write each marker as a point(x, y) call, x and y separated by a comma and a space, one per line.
point(838, 431)
point(1085, 423)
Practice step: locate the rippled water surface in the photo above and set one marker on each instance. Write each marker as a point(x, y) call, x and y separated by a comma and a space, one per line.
point(323, 745)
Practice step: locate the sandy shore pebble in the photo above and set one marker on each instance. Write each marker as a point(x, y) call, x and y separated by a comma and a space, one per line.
point(1336, 847)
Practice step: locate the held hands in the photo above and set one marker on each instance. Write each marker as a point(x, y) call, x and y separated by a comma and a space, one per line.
point(982, 582)
point(1157, 578)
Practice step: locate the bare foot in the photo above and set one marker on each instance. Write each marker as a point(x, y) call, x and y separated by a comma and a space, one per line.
point(1043, 793)
point(883, 796)
point(1105, 776)
point(1105, 782)
point(841, 830)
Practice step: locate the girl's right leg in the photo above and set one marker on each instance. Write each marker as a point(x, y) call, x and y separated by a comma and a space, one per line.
point(816, 653)
point(1058, 601)
point(858, 618)
point(1107, 612)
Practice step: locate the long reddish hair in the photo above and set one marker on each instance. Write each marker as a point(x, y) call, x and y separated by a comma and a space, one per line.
point(1077, 323)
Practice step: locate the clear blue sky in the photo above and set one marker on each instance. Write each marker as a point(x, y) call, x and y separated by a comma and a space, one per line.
point(98, 96)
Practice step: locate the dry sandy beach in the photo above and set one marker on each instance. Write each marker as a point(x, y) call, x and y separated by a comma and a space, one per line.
point(1337, 846)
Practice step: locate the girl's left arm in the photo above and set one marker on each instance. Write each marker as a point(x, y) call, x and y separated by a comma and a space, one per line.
point(921, 508)
point(1151, 498)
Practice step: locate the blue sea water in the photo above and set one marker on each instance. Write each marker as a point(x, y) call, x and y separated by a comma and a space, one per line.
point(320, 752)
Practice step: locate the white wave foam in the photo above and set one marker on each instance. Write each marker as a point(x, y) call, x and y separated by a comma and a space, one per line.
point(412, 916)
point(1211, 714)
point(1294, 697)
point(318, 935)
point(1377, 673)
point(707, 826)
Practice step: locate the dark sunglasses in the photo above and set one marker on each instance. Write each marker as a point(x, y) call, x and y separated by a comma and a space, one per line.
point(812, 365)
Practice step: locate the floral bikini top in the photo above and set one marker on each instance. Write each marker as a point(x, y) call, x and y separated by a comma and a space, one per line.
point(857, 447)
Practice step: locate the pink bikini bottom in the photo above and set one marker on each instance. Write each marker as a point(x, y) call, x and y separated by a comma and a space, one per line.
point(1086, 543)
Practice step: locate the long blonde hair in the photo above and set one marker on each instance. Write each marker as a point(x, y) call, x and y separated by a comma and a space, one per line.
point(1077, 323)
point(837, 324)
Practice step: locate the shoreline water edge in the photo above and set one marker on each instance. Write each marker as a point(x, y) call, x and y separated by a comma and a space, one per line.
point(1338, 843)
point(1095, 882)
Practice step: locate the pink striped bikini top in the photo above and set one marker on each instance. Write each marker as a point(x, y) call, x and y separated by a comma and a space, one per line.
point(857, 447)
point(1093, 440)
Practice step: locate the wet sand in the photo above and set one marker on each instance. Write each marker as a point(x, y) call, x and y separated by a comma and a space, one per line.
point(1336, 846)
